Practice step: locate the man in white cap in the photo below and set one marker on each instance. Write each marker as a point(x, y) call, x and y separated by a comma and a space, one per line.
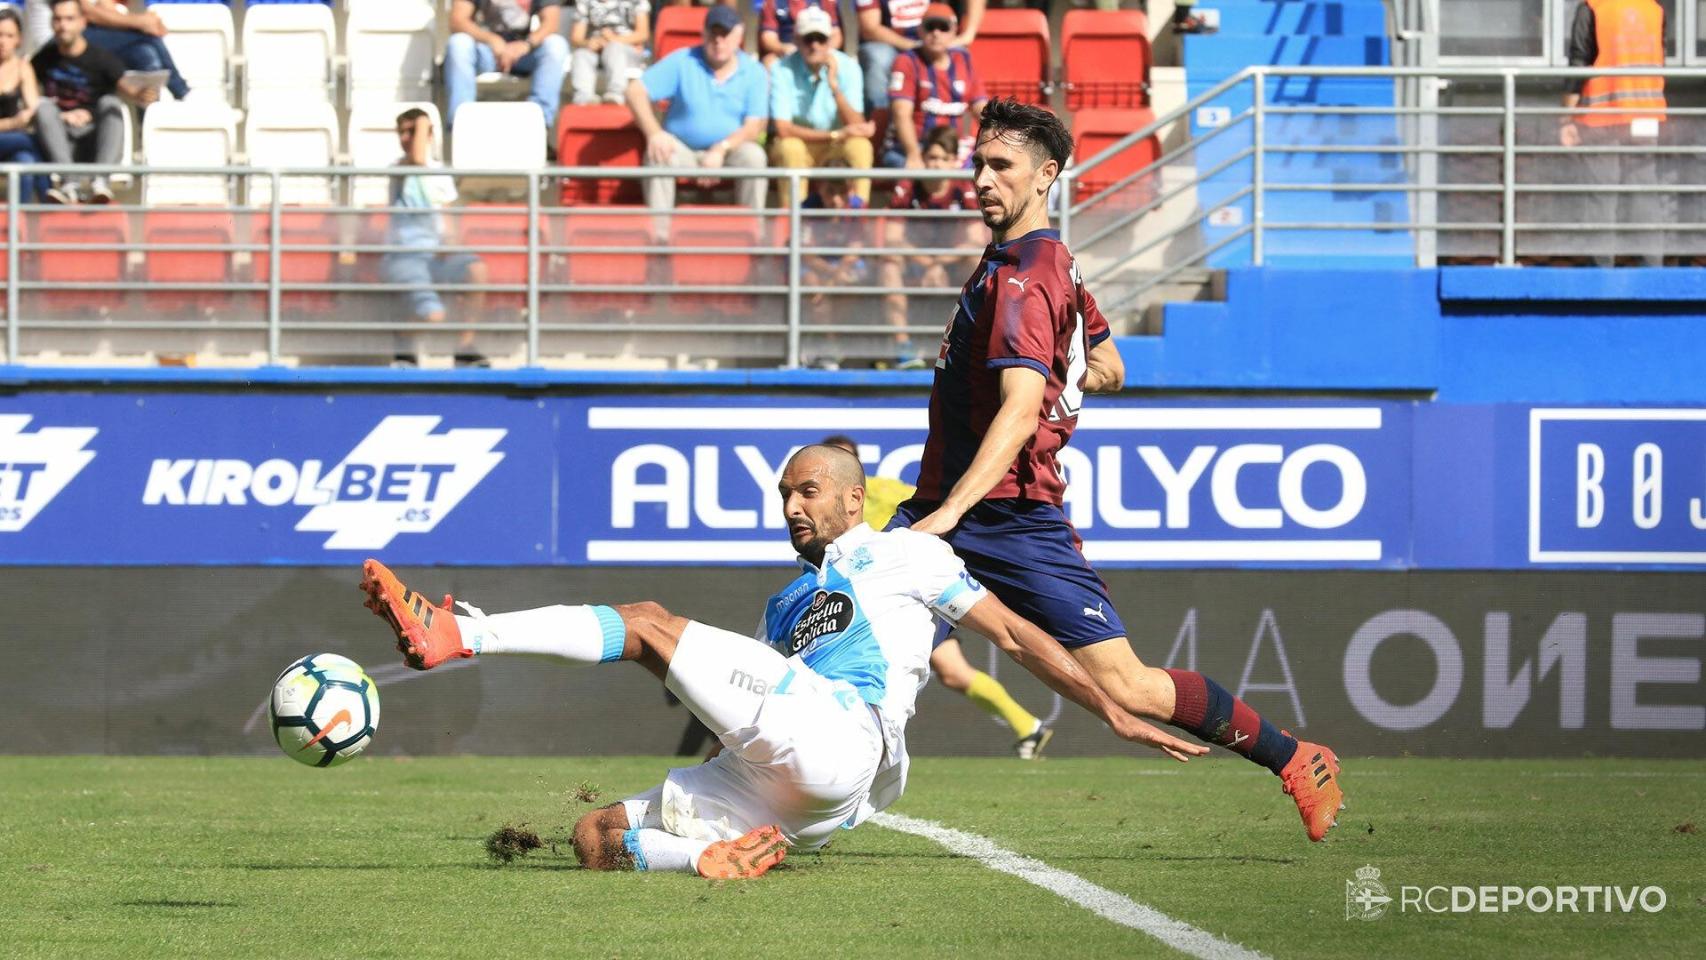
point(817, 97)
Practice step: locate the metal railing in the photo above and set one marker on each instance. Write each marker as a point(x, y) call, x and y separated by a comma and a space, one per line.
point(275, 282)
point(1463, 164)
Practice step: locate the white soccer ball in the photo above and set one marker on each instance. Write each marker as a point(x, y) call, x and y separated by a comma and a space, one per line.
point(324, 710)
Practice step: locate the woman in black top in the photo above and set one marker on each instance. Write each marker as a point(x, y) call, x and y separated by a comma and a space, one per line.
point(17, 104)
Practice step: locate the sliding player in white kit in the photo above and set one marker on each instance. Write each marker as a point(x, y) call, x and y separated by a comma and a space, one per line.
point(812, 718)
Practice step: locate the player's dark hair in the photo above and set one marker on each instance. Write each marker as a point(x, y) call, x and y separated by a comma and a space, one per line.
point(841, 440)
point(10, 13)
point(55, 3)
point(1040, 131)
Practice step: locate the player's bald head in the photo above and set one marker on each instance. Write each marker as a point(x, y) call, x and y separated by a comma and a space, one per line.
point(837, 463)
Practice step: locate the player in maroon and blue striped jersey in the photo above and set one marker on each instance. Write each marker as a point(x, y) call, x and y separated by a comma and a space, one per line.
point(1025, 343)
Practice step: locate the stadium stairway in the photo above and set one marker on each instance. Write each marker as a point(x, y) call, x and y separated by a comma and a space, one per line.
point(1301, 33)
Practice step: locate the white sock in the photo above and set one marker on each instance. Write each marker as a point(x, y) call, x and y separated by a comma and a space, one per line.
point(586, 634)
point(659, 850)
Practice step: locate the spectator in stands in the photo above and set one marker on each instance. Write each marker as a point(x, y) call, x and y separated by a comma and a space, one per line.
point(612, 34)
point(933, 86)
point(18, 99)
point(1619, 112)
point(718, 107)
point(80, 118)
point(488, 35)
point(941, 153)
point(136, 38)
point(424, 266)
point(888, 28)
point(815, 93)
point(779, 25)
point(848, 269)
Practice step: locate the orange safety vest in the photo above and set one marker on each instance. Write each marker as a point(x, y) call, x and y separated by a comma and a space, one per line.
point(1630, 33)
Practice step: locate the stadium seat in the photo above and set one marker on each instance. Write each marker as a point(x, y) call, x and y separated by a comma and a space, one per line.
point(97, 235)
point(498, 136)
point(389, 45)
point(285, 135)
point(372, 140)
point(497, 226)
point(713, 269)
point(1011, 54)
point(297, 228)
point(287, 51)
point(1105, 58)
point(677, 27)
point(599, 135)
point(1094, 131)
point(193, 134)
point(203, 41)
point(165, 267)
point(581, 229)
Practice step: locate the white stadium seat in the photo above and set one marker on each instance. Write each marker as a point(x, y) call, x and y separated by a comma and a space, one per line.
point(373, 143)
point(498, 136)
point(389, 45)
point(193, 134)
point(288, 51)
point(292, 135)
point(203, 42)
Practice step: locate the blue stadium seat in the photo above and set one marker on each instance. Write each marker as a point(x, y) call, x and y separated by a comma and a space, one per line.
point(1306, 33)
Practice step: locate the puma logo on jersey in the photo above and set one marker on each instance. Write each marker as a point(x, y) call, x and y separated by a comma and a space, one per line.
point(1019, 282)
point(1097, 613)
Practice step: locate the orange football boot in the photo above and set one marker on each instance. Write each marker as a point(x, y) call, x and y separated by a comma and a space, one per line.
point(1312, 779)
point(745, 858)
point(426, 633)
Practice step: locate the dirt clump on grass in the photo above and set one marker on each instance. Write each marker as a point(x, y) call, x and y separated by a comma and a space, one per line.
point(511, 841)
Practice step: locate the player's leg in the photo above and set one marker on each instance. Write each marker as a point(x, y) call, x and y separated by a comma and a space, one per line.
point(630, 836)
point(949, 664)
point(1029, 556)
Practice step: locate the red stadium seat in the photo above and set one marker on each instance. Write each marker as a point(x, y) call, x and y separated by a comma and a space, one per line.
point(5, 261)
point(585, 229)
point(167, 267)
point(1105, 58)
point(677, 27)
point(298, 228)
point(713, 269)
point(599, 135)
point(498, 226)
point(1094, 131)
point(1011, 54)
point(97, 234)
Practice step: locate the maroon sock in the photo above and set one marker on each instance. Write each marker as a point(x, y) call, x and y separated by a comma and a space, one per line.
point(1209, 711)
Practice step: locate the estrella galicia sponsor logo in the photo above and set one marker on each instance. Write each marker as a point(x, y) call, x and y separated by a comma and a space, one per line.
point(830, 613)
point(35, 467)
point(403, 477)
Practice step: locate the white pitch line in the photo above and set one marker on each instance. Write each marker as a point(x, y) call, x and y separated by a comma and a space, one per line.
point(1101, 901)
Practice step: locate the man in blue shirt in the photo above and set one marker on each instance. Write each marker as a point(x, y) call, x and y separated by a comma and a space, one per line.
point(816, 94)
point(718, 107)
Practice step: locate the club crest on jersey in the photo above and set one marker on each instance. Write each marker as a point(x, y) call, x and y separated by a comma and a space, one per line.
point(829, 613)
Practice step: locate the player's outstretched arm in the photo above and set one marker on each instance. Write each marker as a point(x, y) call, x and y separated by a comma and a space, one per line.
point(1014, 425)
point(1044, 657)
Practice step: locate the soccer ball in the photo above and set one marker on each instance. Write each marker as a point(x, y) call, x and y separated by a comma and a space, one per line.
point(324, 710)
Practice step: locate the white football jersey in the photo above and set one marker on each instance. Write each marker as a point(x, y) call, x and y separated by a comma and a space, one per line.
point(866, 618)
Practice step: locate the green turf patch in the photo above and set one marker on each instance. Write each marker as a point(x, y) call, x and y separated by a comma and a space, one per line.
point(149, 857)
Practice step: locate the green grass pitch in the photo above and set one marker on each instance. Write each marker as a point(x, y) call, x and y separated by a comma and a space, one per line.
point(261, 857)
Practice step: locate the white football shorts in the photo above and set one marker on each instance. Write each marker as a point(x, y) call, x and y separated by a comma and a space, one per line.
point(799, 751)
